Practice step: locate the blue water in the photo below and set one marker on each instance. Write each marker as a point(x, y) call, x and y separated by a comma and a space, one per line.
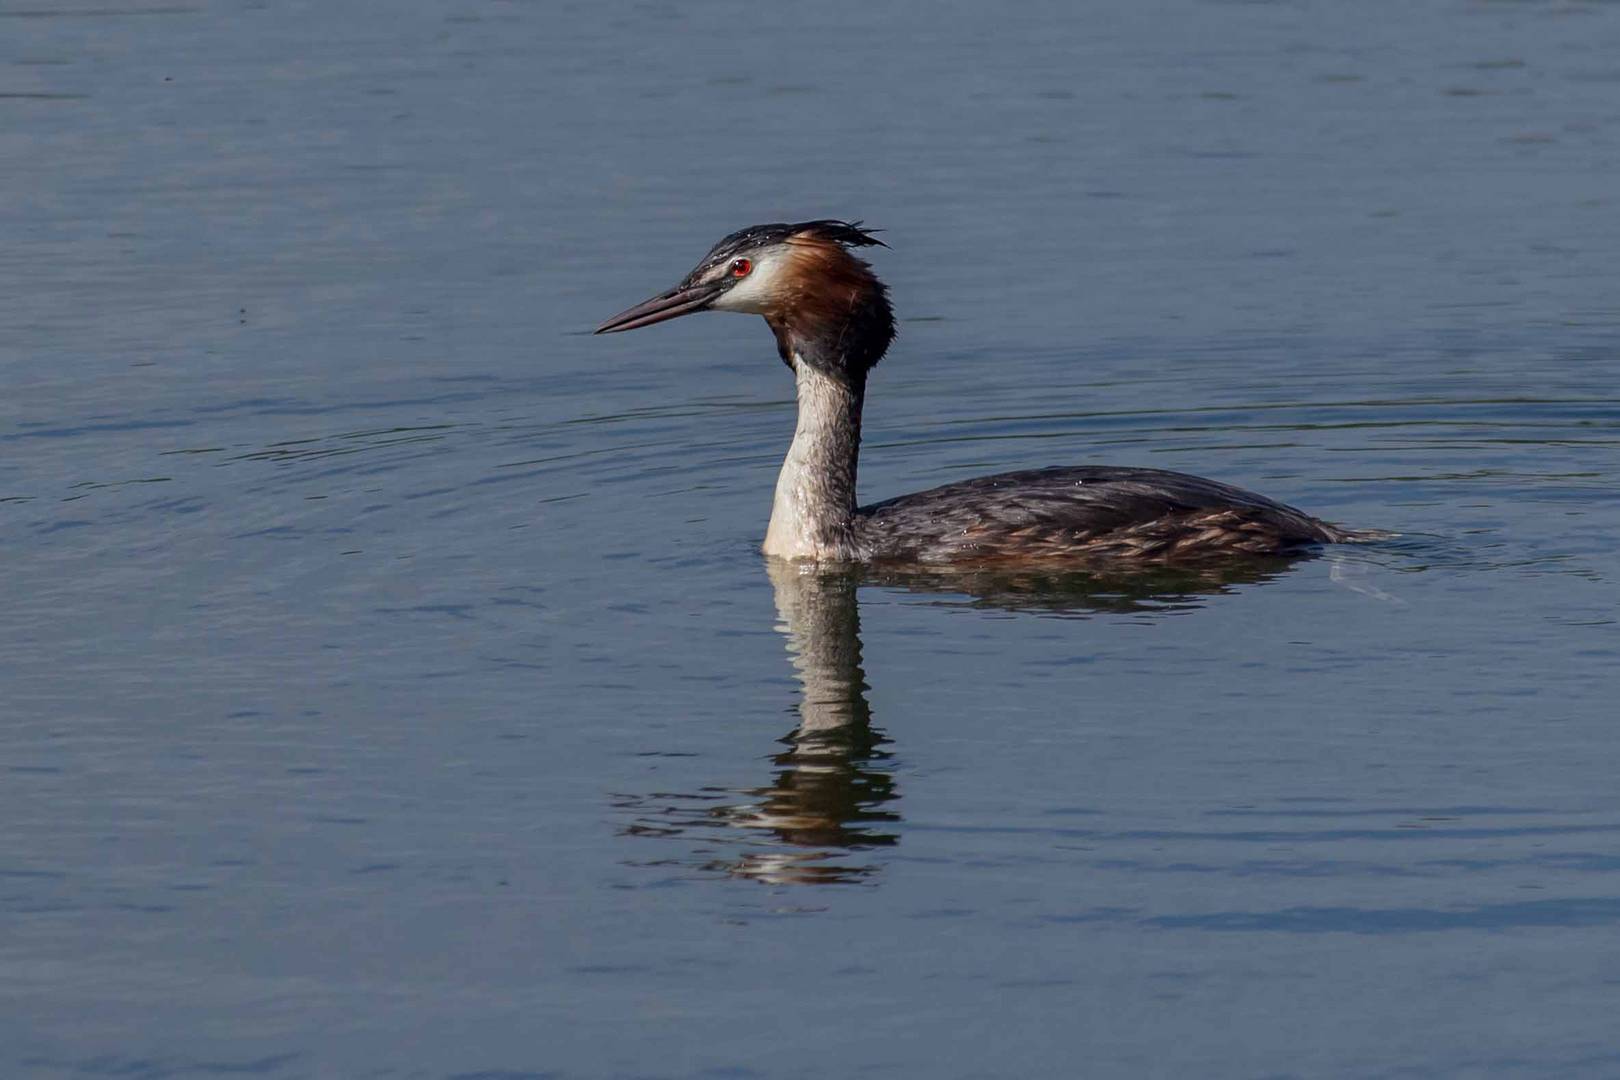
point(390, 682)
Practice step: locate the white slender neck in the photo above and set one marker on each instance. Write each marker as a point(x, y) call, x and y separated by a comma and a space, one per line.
point(815, 491)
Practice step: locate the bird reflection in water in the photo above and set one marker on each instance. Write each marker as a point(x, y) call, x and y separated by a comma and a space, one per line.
point(827, 802)
point(831, 800)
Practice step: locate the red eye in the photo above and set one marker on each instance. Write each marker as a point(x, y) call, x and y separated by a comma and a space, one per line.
point(740, 268)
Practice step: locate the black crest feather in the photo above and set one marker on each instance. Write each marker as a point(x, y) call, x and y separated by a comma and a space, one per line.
point(848, 233)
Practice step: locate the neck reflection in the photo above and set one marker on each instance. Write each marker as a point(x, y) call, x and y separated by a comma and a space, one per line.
point(829, 797)
point(830, 803)
point(830, 794)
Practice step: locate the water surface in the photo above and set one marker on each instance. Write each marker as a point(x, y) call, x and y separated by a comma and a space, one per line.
point(393, 688)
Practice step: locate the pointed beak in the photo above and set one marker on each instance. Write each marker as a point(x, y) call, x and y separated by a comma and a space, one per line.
point(681, 300)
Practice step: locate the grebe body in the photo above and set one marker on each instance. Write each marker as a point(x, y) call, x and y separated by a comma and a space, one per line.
point(833, 323)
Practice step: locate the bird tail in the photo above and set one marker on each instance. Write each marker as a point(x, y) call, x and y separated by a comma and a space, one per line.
point(1338, 534)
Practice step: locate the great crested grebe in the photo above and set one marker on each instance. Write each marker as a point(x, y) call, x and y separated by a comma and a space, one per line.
point(833, 323)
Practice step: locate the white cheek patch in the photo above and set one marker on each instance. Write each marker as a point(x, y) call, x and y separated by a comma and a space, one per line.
point(755, 292)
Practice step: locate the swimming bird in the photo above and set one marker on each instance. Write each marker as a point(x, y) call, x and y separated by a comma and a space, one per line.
point(833, 323)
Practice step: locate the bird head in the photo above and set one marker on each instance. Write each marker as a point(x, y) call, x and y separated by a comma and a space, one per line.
point(824, 304)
